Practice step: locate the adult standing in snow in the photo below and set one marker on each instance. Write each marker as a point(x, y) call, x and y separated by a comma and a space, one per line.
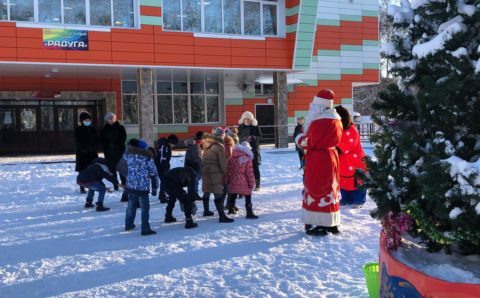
point(351, 158)
point(248, 131)
point(299, 130)
point(113, 138)
point(86, 144)
point(323, 132)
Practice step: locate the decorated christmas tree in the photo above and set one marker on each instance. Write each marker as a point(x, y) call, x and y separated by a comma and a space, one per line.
point(425, 176)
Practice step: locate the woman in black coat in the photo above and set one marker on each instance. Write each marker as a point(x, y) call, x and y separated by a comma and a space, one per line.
point(249, 131)
point(114, 137)
point(86, 143)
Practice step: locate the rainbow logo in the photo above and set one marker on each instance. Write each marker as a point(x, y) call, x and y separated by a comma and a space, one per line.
point(65, 39)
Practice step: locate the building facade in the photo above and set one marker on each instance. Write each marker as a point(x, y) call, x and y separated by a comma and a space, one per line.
point(175, 66)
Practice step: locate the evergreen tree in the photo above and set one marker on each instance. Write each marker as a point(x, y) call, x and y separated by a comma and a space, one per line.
point(428, 147)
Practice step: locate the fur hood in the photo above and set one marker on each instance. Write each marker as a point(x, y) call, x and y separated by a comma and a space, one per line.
point(210, 139)
point(248, 115)
point(242, 152)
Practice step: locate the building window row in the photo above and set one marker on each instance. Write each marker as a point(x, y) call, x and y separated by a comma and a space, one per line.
point(111, 13)
point(179, 98)
point(244, 17)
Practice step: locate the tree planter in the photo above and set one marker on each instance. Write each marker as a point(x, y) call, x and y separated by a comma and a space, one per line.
point(399, 280)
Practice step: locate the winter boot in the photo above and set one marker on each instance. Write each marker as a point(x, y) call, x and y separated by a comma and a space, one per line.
point(206, 207)
point(231, 205)
point(169, 218)
point(308, 227)
point(130, 228)
point(151, 232)
point(189, 224)
point(124, 197)
point(257, 184)
point(89, 205)
point(222, 217)
point(250, 213)
point(334, 230)
point(317, 231)
point(101, 208)
point(82, 190)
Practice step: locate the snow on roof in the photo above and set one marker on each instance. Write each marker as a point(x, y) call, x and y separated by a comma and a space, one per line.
point(438, 42)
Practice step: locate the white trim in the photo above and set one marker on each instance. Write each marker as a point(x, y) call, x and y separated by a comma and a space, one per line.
point(226, 36)
point(324, 219)
point(59, 26)
point(324, 102)
point(141, 66)
point(329, 114)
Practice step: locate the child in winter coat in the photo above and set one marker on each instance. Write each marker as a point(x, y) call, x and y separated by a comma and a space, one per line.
point(141, 172)
point(350, 155)
point(91, 178)
point(164, 155)
point(214, 170)
point(122, 169)
point(176, 179)
point(240, 178)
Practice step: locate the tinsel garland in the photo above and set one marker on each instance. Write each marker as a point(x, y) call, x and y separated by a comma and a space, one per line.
point(393, 227)
point(426, 227)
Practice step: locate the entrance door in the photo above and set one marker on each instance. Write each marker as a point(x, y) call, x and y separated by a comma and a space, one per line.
point(42, 126)
point(265, 114)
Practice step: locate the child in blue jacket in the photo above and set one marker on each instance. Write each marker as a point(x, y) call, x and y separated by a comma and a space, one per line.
point(141, 172)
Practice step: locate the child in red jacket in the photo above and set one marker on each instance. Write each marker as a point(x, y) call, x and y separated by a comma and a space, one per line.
point(240, 178)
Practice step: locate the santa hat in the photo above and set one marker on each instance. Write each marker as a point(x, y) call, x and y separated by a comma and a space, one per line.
point(248, 115)
point(321, 102)
point(324, 98)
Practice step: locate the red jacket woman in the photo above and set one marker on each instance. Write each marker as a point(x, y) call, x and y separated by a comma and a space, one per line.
point(351, 157)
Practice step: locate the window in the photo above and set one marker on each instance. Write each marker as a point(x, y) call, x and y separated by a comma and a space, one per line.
point(263, 89)
point(231, 17)
point(3, 10)
point(213, 16)
point(123, 13)
point(130, 101)
point(222, 16)
point(50, 11)
point(183, 98)
point(100, 13)
point(116, 13)
point(21, 10)
point(7, 119)
point(74, 12)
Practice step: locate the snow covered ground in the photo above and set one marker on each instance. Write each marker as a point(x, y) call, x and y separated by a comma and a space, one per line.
point(51, 246)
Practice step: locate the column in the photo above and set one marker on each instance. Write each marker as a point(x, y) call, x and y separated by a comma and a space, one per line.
point(145, 104)
point(281, 109)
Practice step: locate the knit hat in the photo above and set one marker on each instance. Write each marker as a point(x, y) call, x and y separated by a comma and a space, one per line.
point(218, 131)
point(233, 135)
point(108, 116)
point(172, 139)
point(84, 116)
point(199, 135)
point(324, 98)
point(142, 144)
point(248, 115)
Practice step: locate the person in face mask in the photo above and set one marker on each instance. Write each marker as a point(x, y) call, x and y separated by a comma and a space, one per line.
point(86, 143)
